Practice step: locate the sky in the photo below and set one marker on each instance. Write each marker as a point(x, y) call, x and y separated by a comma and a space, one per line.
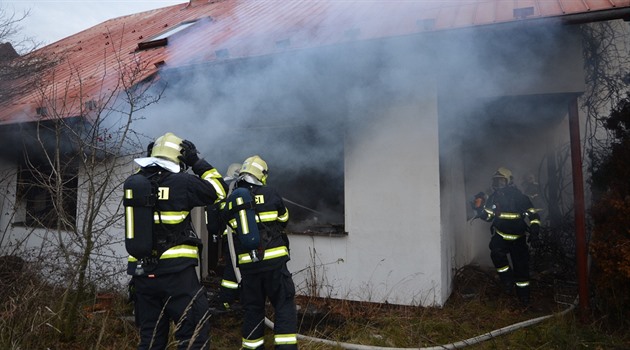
point(53, 20)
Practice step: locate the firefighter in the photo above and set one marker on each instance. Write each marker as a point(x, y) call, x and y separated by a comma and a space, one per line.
point(264, 272)
point(512, 215)
point(229, 288)
point(166, 285)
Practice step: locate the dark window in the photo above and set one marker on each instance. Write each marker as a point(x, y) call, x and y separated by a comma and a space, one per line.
point(42, 203)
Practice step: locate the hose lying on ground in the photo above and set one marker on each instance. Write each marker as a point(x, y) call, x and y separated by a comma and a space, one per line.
point(456, 345)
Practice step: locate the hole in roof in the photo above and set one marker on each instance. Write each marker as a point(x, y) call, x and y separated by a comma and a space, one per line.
point(523, 12)
point(222, 53)
point(41, 111)
point(162, 38)
point(352, 33)
point(90, 105)
point(426, 24)
point(283, 44)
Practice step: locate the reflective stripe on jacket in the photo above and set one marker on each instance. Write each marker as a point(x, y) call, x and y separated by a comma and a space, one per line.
point(173, 234)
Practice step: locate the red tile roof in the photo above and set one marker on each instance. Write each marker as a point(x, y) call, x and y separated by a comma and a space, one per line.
point(229, 29)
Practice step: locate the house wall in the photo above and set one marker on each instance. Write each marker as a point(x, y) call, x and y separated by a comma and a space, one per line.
point(499, 99)
point(393, 252)
point(17, 238)
point(513, 116)
point(8, 181)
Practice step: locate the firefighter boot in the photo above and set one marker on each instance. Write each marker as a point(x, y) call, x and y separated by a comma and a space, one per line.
point(508, 288)
point(523, 296)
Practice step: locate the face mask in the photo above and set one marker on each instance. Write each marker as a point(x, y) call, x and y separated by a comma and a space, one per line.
point(499, 183)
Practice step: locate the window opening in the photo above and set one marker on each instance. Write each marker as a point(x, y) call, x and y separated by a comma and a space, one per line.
point(38, 195)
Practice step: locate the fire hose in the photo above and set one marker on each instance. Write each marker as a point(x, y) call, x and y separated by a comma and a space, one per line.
point(301, 206)
point(456, 345)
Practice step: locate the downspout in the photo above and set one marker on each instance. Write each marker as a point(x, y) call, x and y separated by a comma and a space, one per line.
point(579, 208)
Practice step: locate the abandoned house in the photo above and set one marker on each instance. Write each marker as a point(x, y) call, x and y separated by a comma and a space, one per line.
point(378, 121)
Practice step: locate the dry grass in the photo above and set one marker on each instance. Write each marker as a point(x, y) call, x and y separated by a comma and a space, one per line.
point(476, 307)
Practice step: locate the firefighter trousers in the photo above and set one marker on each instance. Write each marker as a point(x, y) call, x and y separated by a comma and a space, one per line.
point(277, 286)
point(229, 290)
point(517, 274)
point(176, 297)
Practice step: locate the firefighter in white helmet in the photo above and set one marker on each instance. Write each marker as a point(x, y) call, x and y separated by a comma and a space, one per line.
point(229, 288)
point(264, 272)
point(512, 215)
point(165, 283)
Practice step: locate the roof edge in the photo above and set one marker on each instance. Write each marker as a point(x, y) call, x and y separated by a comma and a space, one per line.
point(597, 16)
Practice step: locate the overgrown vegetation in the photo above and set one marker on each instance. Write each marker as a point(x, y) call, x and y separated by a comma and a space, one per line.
point(64, 189)
point(607, 104)
point(610, 246)
point(476, 307)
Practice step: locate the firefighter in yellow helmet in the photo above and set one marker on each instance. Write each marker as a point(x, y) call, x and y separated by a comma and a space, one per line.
point(264, 272)
point(512, 215)
point(163, 247)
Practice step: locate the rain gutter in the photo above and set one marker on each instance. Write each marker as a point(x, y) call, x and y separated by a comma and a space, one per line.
point(597, 16)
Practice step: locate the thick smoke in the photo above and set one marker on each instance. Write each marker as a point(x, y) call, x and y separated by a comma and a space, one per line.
point(294, 108)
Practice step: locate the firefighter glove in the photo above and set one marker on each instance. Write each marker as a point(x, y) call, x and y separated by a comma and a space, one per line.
point(478, 201)
point(189, 153)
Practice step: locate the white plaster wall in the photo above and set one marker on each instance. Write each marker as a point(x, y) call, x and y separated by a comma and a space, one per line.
point(455, 230)
point(16, 239)
point(393, 252)
point(42, 245)
point(8, 181)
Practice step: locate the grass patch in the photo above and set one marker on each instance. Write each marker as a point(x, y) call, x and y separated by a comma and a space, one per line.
point(476, 306)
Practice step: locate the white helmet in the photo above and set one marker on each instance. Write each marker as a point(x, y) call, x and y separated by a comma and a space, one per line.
point(232, 172)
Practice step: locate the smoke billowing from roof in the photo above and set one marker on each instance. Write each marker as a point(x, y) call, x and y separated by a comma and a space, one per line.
point(294, 108)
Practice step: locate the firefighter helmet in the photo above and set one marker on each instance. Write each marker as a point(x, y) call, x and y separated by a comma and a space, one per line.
point(256, 167)
point(501, 178)
point(232, 172)
point(165, 153)
point(167, 147)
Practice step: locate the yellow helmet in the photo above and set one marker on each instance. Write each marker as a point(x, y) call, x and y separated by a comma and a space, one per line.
point(500, 175)
point(167, 147)
point(256, 167)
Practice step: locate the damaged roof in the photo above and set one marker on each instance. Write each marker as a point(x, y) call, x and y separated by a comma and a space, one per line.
point(202, 31)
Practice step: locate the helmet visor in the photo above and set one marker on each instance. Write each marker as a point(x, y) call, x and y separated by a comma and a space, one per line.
point(499, 182)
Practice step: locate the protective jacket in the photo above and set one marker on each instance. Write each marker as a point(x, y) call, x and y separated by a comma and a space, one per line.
point(507, 209)
point(271, 218)
point(176, 245)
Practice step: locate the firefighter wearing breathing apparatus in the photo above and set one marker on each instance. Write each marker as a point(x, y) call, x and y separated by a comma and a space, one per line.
point(162, 244)
point(512, 215)
point(258, 216)
point(229, 289)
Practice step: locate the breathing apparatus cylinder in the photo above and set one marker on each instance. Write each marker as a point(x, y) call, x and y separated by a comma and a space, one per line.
point(139, 200)
point(240, 204)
